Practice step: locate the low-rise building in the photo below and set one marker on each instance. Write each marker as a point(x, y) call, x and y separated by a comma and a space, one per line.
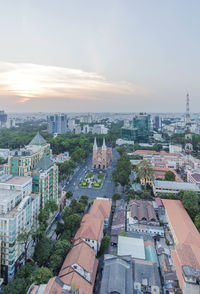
point(99, 130)
point(117, 275)
point(126, 275)
point(91, 231)
point(101, 208)
point(186, 256)
point(147, 229)
point(131, 246)
point(62, 157)
point(193, 177)
point(173, 187)
point(159, 173)
point(141, 212)
point(4, 153)
point(77, 275)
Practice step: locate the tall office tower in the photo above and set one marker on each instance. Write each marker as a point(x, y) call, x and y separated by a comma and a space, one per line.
point(141, 122)
point(57, 123)
point(35, 160)
point(3, 118)
point(157, 122)
point(19, 210)
point(188, 135)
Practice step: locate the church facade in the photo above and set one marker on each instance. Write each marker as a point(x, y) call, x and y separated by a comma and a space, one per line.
point(102, 156)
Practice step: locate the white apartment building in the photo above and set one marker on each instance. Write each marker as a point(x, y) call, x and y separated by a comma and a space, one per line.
point(99, 129)
point(19, 210)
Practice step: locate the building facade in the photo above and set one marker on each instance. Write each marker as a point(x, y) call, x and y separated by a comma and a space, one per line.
point(34, 160)
point(139, 131)
point(57, 123)
point(102, 156)
point(19, 210)
point(3, 119)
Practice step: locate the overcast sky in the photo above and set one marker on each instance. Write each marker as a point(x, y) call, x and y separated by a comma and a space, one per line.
point(99, 55)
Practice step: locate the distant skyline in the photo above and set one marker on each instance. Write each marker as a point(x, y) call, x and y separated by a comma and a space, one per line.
point(99, 56)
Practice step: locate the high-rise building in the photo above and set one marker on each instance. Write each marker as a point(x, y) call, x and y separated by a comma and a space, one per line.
point(45, 180)
point(57, 123)
point(35, 160)
point(142, 123)
point(157, 122)
point(139, 131)
point(19, 209)
point(3, 118)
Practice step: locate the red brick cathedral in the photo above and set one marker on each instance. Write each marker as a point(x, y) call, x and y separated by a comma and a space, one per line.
point(102, 156)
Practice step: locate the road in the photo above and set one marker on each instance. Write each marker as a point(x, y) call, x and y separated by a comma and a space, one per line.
point(108, 186)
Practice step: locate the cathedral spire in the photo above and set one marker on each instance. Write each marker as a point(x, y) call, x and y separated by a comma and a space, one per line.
point(95, 147)
point(104, 145)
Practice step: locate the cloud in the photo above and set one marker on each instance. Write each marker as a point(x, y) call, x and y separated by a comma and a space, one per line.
point(31, 81)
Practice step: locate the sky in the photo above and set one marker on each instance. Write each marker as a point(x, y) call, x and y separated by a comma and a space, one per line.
point(99, 55)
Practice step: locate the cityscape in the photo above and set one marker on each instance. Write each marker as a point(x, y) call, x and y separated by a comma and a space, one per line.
point(99, 147)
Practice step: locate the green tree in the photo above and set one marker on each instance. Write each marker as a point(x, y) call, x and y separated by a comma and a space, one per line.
point(190, 201)
point(18, 286)
point(51, 206)
point(169, 176)
point(197, 221)
point(55, 261)
point(43, 251)
point(72, 222)
point(84, 200)
point(122, 172)
point(22, 281)
point(26, 239)
point(121, 150)
point(116, 196)
point(104, 245)
point(123, 234)
point(145, 172)
point(69, 194)
point(78, 155)
point(43, 275)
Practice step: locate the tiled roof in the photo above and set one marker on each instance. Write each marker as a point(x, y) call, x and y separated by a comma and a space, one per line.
point(44, 163)
point(187, 249)
point(84, 256)
point(160, 172)
point(183, 227)
point(149, 152)
point(196, 177)
point(159, 202)
point(91, 228)
point(142, 210)
point(101, 208)
point(38, 140)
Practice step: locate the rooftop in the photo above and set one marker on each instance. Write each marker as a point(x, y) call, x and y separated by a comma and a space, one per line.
point(83, 256)
point(131, 246)
point(7, 195)
point(44, 163)
point(14, 180)
point(144, 269)
point(117, 275)
point(142, 210)
point(101, 207)
point(91, 228)
point(187, 237)
point(176, 185)
point(196, 177)
point(38, 140)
